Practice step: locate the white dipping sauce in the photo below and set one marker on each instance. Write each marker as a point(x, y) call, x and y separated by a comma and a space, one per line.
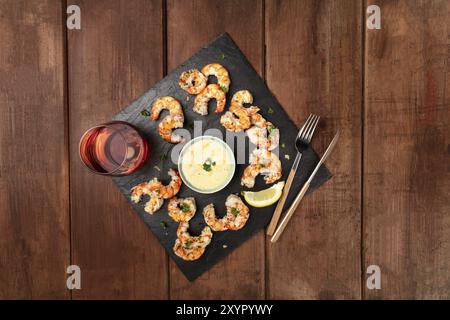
point(207, 164)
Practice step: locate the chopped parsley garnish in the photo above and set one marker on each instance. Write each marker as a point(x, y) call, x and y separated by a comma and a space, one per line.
point(145, 113)
point(207, 167)
point(234, 211)
point(283, 145)
point(224, 89)
point(187, 244)
point(208, 164)
point(163, 224)
point(184, 207)
point(270, 110)
point(221, 56)
point(272, 131)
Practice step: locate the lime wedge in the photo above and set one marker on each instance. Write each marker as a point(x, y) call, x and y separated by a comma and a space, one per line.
point(264, 198)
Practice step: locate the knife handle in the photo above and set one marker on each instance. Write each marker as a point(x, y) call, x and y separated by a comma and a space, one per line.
point(290, 213)
point(277, 213)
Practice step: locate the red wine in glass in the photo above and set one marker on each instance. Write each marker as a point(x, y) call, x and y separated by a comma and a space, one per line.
point(115, 148)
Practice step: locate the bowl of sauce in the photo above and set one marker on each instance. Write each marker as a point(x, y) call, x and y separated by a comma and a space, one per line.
point(206, 164)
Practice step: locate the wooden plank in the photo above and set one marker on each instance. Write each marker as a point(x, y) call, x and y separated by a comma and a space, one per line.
point(34, 170)
point(407, 139)
point(314, 66)
point(192, 24)
point(113, 59)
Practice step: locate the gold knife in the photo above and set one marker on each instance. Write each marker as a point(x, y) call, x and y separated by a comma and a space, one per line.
point(298, 199)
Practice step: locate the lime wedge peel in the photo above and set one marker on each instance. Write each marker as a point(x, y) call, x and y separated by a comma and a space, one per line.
point(266, 197)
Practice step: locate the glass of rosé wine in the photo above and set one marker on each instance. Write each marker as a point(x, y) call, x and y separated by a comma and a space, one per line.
point(115, 148)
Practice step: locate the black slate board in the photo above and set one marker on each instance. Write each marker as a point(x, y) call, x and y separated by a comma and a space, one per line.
point(224, 51)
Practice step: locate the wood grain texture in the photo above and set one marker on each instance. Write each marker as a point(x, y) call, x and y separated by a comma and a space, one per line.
point(190, 25)
point(407, 150)
point(113, 59)
point(313, 62)
point(314, 66)
point(34, 172)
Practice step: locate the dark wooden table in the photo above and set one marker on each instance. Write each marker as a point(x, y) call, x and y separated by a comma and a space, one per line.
point(387, 204)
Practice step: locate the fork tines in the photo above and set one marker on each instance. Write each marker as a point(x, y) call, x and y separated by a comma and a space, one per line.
point(307, 131)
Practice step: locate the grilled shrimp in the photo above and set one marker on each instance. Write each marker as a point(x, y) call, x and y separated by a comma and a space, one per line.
point(174, 120)
point(156, 191)
point(237, 103)
point(249, 175)
point(182, 210)
point(262, 162)
point(241, 97)
point(256, 118)
point(217, 70)
point(171, 189)
point(193, 81)
point(266, 137)
point(191, 242)
point(236, 121)
point(237, 212)
point(188, 254)
point(230, 122)
point(263, 133)
point(235, 218)
point(217, 224)
point(238, 117)
point(153, 204)
point(189, 247)
point(212, 91)
point(165, 103)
